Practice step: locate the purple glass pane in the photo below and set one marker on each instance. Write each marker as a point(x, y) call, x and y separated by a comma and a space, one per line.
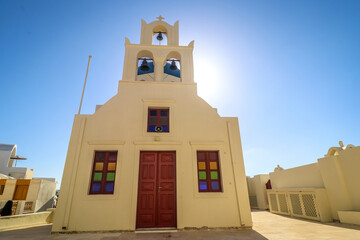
point(109, 187)
point(215, 185)
point(203, 185)
point(152, 128)
point(96, 187)
point(164, 128)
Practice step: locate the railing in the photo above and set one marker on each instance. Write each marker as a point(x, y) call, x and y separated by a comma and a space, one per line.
point(304, 203)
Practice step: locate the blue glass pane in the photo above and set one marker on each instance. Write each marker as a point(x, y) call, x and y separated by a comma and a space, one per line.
point(152, 112)
point(164, 113)
point(152, 128)
point(151, 68)
point(165, 128)
point(109, 187)
point(203, 185)
point(215, 185)
point(96, 187)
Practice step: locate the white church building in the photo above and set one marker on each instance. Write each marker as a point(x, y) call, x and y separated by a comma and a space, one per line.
point(156, 155)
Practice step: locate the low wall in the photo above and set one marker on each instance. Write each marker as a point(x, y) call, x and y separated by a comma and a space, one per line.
point(25, 220)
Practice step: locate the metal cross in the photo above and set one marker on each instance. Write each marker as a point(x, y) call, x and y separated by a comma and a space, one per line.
point(160, 18)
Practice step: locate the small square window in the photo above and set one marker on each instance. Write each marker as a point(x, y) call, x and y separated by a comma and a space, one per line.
point(158, 120)
point(2, 185)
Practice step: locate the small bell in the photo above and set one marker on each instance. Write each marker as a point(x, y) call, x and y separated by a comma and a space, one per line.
point(144, 66)
point(159, 36)
point(173, 65)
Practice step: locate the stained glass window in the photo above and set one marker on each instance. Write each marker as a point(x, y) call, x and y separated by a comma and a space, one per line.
point(103, 175)
point(158, 120)
point(208, 171)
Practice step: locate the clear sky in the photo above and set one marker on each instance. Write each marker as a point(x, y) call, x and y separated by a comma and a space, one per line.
point(289, 70)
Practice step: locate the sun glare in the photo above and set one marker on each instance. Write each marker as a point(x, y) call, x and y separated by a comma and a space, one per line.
point(208, 78)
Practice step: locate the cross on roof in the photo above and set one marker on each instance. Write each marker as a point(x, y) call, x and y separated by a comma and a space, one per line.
point(160, 18)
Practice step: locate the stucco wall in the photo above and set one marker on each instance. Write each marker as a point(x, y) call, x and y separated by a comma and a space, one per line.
point(120, 125)
point(342, 180)
point(306, 176)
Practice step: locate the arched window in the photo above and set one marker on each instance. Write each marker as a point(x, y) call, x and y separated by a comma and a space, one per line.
point(145, 66)
point(172, 68)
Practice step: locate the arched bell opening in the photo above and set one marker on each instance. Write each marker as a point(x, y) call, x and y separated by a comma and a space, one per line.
point(172, 68)
point(145, 66)
point(159, 35)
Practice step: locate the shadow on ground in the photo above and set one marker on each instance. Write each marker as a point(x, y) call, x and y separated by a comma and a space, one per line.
point(44, 233)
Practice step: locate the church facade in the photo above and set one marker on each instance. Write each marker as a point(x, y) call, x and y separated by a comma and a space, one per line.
point(155, 155)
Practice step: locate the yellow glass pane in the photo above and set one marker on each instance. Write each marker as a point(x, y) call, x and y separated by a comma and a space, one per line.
point(99, 166)
point(201, 165)
point(111, 166)
point(213, 166)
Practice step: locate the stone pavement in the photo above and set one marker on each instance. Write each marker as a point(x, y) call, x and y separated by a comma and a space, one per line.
point(266, 226)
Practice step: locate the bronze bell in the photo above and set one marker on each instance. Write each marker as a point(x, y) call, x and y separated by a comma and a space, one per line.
point(173, 65)
point(144, 66)
point(159, 36)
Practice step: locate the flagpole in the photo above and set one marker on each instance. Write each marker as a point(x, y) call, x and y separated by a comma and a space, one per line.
point(82, 96)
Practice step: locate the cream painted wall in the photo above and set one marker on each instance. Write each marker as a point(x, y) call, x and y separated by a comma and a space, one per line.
point(306, 176)
point(194, 125)
point(342, 180)
point(121, 125)
point(338, 174)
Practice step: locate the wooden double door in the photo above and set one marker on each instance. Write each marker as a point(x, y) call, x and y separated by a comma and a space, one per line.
point(156, 203)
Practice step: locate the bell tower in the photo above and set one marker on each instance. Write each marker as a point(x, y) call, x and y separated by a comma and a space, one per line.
point(158, 58)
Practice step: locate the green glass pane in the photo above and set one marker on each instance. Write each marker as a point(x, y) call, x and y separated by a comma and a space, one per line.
point(202, 175)
point(152, 120)
point(110, 176)
point(97, 176)
point(163, 120)
point(214, 175)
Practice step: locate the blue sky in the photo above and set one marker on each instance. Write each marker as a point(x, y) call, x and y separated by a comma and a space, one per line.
point(289, 70)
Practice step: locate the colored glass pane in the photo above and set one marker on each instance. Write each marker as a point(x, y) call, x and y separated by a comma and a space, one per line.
point(97, 176)
point(164, 113)
point(202, 175)
point(99, 166)
point(164, 128)
point(163, 120)
point(213, 166)
point(215, 185)
point(213, 155)
point(100, 156)
point(202, 165)
point(152, 128)
point(201, 156)
point(152, 120)
point(203, 185)
point(96, 187)
point(214, 175)
point(110, 176)
point(111, 166)
point(112, 156)
point(152, 112)
point(109, 187)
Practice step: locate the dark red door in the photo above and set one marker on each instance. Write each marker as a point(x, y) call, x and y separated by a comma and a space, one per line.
point(156, 206)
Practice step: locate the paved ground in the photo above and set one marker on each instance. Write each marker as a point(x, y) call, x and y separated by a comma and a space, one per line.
point(266, 226)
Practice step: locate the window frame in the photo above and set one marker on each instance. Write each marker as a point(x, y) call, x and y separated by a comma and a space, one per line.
point(158, 119)
point(104, 172)
point(208, 171)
